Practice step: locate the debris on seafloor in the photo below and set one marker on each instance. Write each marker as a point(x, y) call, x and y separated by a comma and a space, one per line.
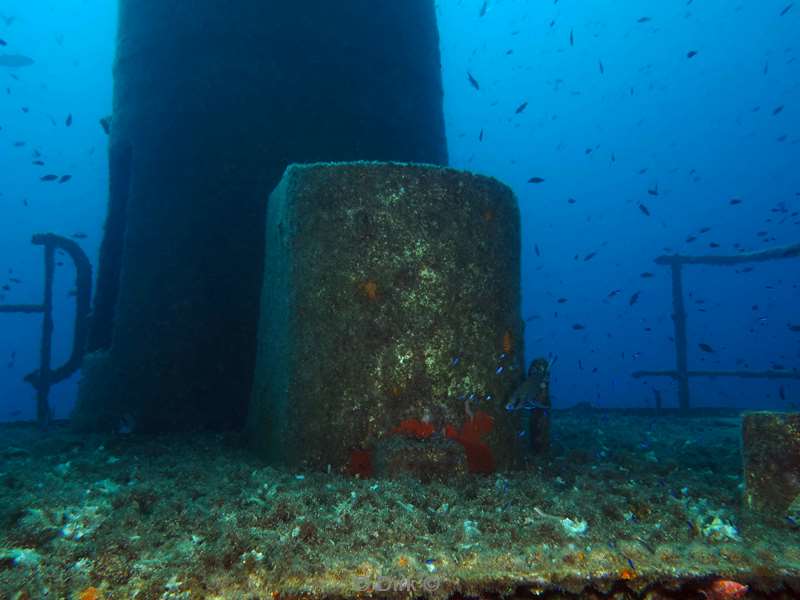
point(570, 526)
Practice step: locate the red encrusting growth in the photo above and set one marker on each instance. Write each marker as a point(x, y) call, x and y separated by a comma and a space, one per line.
point(479, 455)
point(360, 463)
point(414, 428)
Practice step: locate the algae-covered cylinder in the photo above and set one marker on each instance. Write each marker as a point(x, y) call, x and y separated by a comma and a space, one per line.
point(390, 307)
point(212, 99)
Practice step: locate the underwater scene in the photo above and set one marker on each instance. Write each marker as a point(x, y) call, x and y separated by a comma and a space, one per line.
point(440, 299)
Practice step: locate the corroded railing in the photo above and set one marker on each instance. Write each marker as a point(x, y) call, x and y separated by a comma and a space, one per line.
point(43, 378)
point(681, 373)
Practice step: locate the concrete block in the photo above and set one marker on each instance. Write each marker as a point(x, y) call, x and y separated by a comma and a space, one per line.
point(392, 294)
point(771, 452)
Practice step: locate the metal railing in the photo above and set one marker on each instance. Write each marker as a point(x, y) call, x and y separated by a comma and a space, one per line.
point(681, 373)
point(43, 378)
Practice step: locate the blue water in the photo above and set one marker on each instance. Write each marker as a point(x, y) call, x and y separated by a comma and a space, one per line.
point(700, 130)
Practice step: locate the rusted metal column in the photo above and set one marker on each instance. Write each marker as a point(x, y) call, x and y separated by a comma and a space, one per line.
point(212, 100)
point(679, 322)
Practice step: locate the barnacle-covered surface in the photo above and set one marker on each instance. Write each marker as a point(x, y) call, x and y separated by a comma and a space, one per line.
point(771, 452)
point(391, 292)
point(641, 505)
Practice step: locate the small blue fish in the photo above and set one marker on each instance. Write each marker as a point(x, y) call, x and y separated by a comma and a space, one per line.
point(455, 360)
point(521, 404)
point(499, 370)
point(533, 405)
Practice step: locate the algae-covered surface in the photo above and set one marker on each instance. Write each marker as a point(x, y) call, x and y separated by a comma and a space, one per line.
point(627, 505)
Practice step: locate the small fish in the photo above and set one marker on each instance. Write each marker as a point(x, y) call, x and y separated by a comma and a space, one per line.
point(691, 54)
point(646, 275)
point(644, 209)
point(518, 401)
point(602, 69)
point(3, 42)
point(634, 298)
point(529, 394)
point(521, 108)
point(705, 347)
point(589, 256)
point(14, 61)
point(105, 123)
point(536, 249)
point(79, 235)
point(536, 180)
point(561, 300)
point(50, 177)
point(653, 191)
point(480, 136)
point(39, 163)
point(484, 7)
point(734, 201)
point(64, 178)
point(472, 81)
point(777, 110)
point(571, 38)
point(68, 121)
point(795, 328)
point(787, 9)
point(782, 392)
point(578, 327)
point(613, 293)
point(643, 19)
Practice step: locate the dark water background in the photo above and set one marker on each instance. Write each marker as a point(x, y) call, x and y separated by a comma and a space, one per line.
point(722, 124)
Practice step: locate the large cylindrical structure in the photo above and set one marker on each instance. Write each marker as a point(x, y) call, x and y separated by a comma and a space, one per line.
point(212, 99)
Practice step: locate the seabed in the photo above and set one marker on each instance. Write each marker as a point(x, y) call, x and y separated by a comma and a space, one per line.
point(625, 506)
